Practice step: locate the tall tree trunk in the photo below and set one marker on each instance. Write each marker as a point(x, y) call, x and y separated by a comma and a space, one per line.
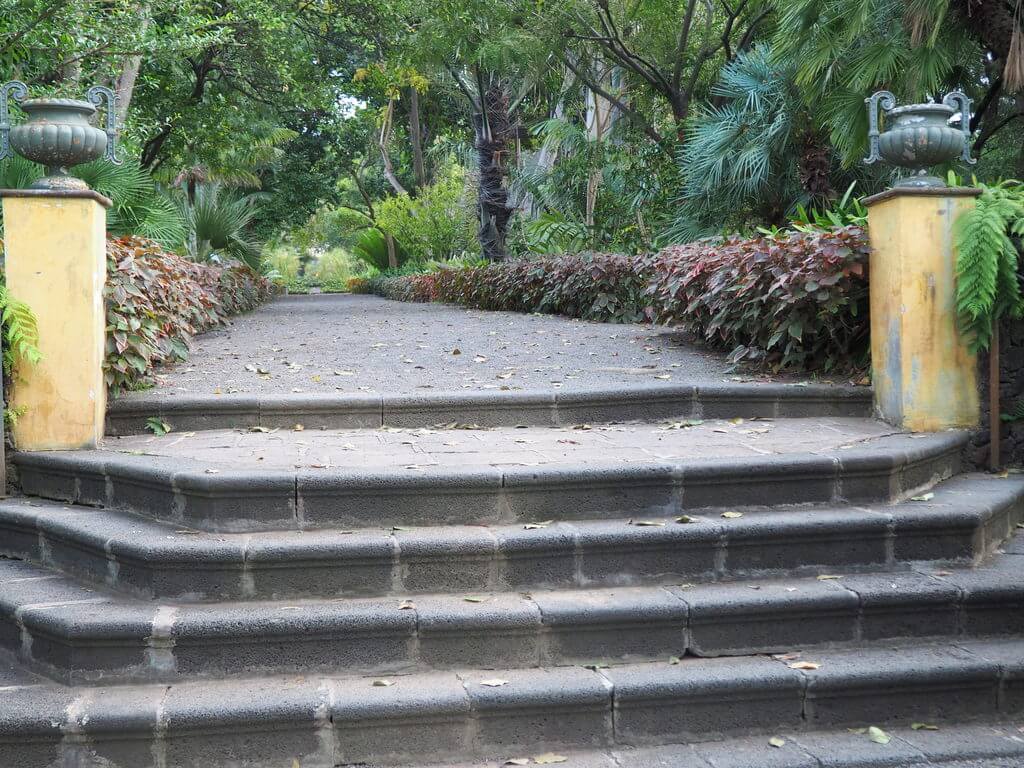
point(416, 137)
point(992, 23)
point(124, 87)
point(383, 142)
point(493, 130)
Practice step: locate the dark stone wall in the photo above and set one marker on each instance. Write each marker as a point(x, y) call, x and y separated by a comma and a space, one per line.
point(1011, 393)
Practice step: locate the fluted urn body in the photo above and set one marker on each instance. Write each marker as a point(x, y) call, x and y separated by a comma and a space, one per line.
point(58, 134)
point(919, 136)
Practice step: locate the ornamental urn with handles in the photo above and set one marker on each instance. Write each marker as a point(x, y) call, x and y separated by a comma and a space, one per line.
point(918, 136)
point(58, 133)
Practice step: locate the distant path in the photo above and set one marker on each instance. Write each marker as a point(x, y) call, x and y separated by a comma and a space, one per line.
point(352, 344)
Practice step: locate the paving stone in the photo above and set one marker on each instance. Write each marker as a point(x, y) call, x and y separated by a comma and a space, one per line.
point(603, 625)
point(702, 698)
point(755, 753)
point(30, 725)
point(1008, 655)
point(536, 557)
point(897, 605)
point(993, 601)
point(769, 616)
point(877, 685)
point(246, 722)
point(404, 721)
point(485, 631)
point(354, 635)
point(966, 741)
point(617, 553)
point(427, 556)
point(779, 479)
point(321, 563)
point(545, 708)
point(856, 750)
point(803, 541)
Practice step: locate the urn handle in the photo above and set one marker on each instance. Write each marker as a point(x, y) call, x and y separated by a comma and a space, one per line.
point(17, 91)
point(96, 96)
point(960, 100)
point(887, 102)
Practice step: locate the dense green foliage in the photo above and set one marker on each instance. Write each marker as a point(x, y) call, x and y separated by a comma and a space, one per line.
point(988, 262)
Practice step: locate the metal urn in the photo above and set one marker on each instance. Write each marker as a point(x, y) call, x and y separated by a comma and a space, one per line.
point(918, 136)
point(58, 133)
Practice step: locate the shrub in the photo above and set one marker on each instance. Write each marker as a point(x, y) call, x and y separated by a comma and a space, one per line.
point(335, 267)
point(281, 260)
point(789, 300)
point(156, 301)
point(792, 300)
point(436, 224)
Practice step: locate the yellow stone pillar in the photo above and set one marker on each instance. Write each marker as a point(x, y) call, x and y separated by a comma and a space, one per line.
point(55, 262)
point(923, 375)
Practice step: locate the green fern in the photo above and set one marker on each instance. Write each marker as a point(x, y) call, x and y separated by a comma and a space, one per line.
point(20, 333)
point(988, 261)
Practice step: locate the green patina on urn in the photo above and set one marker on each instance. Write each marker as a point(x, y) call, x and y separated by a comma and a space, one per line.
point(58, 133)
point(918, 136)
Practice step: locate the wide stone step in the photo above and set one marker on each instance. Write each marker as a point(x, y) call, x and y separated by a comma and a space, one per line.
point(964, 519)
point(488, 409)
point(226, 481)
point(330, 721)
point(985, 744)
point(76, 634)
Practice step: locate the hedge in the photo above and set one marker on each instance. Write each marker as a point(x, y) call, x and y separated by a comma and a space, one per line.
point(794, 300)
point(157, 300)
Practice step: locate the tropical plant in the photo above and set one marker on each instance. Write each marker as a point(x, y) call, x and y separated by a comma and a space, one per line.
point(20, 334)
point(436, 224)
point(988, 261)
point(739, 160)
point(371, 247)
point(140, 206)
point(218, 221)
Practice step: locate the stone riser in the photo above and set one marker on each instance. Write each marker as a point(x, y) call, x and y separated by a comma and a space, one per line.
point(78, 636)
point(488, 409)
point(155, 560)
point(322, 723)
point(245, 500)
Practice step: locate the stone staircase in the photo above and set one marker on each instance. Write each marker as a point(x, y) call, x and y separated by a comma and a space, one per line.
point(681, 568)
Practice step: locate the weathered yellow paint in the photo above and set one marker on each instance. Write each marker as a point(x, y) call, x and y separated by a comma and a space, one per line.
point(55, 253)
point(924, 377)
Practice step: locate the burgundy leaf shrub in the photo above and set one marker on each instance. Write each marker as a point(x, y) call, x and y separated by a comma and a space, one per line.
point(797, 300)
point(156, 301)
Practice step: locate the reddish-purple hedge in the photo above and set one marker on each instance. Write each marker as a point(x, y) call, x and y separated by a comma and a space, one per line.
point(156, 301)
point(795, 300)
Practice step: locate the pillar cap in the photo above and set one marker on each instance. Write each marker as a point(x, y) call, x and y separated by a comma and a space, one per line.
point(82, 194)
point(894, 192)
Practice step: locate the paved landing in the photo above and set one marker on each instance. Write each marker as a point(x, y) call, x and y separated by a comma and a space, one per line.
point(344, 343)
point(505, 446)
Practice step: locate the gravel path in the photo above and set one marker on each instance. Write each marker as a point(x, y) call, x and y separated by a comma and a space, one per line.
point(343, 343)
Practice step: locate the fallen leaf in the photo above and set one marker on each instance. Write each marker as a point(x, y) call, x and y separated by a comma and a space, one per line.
point(383, 683)
point(923, 497)
point(786, 656)
point(923, 727)
point(805, 665)
point(456, 351)
point(878, 736)
point(673, 660)
point(406, 605)
point(654, 523)
point(213, 471)
point(828, 577)
point(517, 761)
point(736, 421)
point(534, 526)
point(732, 515)
point(777, 742)
point(550, 757)
point(685, 519)
point(298, 428)
point(474, 599)
point(595, 667)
